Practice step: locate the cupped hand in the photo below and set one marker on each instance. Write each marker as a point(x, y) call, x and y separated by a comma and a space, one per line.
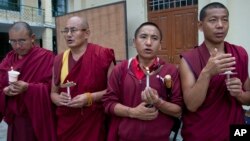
point(61, 99)
point(16, 88)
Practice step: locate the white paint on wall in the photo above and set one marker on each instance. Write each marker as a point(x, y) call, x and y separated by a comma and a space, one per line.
point(136, 15)
point(239, 23)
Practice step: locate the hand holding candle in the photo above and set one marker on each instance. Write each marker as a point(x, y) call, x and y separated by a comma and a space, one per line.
point(13, 75)
point(68, 85)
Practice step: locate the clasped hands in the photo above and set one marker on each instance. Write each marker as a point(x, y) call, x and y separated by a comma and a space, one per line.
point(15, 88)
point(78, 101)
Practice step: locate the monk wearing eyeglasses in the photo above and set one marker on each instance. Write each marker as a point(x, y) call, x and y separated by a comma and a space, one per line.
point(25, 104)
point(80, 77)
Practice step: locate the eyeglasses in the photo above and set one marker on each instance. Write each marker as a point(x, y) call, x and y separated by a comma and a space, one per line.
point(71, 30)
point(19, 41)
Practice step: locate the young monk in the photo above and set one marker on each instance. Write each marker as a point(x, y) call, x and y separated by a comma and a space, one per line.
point(137, 96)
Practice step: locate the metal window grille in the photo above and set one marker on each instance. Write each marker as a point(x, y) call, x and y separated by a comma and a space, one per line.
point(156, 5)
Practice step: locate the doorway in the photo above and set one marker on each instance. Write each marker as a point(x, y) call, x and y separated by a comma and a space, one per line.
point(5, 46)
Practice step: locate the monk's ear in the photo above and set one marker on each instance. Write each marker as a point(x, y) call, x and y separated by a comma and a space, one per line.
point(134, 42)
point(33, 38)
point(159, 48)
point(87, 32)
point(200, 27)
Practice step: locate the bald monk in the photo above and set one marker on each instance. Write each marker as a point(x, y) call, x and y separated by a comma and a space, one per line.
point(79, 81)
point(25, 104)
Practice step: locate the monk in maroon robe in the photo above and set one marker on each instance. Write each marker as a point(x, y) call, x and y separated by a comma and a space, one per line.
point(141, 105)
point(84, 69)
point(25, 104)
point(213, 99)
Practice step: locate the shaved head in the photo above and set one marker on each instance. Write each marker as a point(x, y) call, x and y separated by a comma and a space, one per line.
point(80, 21)
point(17, 26)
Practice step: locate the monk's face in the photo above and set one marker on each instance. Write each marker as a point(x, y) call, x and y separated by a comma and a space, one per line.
point(21, 41)
point(147, 42)
point(76, 33)
point(215, 25)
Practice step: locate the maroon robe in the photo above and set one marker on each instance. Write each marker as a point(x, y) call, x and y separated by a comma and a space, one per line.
point(125, 88)
point(90, 75)
point(29, 115)
point(219, 110)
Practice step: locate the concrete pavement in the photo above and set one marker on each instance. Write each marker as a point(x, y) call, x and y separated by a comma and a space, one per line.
point(3, 131)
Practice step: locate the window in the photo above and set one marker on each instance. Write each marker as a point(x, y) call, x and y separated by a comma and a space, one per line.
point(59, 7)
point(13, 5)
point(155, 5)
point(39, 7)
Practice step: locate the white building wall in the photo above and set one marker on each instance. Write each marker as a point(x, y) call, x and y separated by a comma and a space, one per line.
point(239, 32)
point(136, 14)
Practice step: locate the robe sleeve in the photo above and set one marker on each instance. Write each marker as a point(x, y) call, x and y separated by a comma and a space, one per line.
point(113, 95)
point(39, 105)
point(108, 56)
point(2, 101)
point(176, 96)
point(3, 83)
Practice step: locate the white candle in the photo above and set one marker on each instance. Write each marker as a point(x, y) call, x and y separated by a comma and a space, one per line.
point(68, 88)
point(147, 77)
point(228, 73)
point(228, 76)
